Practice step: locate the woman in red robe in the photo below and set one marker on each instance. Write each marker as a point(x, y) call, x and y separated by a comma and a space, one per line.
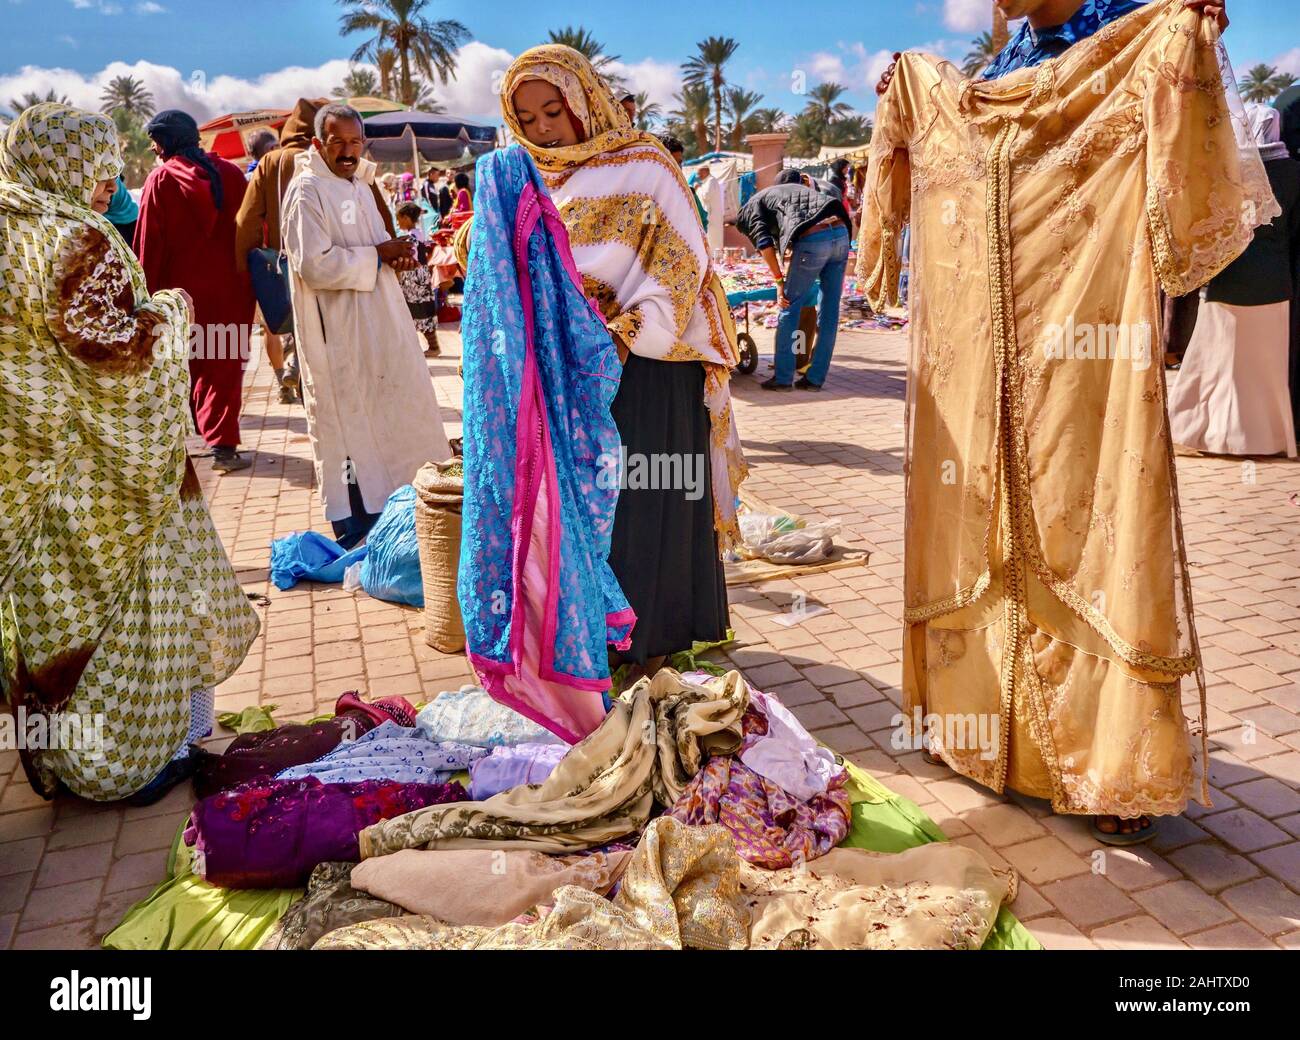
point(185, 239)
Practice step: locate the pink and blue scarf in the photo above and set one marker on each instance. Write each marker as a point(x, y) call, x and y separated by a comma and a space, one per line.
point(539, 600)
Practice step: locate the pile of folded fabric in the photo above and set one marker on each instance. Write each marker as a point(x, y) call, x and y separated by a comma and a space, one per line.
point(700, 814)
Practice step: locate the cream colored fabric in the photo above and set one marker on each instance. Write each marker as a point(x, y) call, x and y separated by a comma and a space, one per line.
point(940, 896)
point(652, 743)
point(1230, 396)
point(1045, 581)
point(681, 890)
point(480, 886)
point(366, 385)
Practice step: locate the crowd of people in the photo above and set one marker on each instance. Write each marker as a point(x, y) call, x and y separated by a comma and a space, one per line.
point(123, 600)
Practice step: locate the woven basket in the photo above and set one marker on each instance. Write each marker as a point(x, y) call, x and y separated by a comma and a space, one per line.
point(439, 497)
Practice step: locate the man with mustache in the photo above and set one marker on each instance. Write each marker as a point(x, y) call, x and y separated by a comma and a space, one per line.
point(371, 410)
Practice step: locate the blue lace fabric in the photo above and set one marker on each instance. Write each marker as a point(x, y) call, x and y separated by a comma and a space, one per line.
point(577, 373)
point(1032, 46)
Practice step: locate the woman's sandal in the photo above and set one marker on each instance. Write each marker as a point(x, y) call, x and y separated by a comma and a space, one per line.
point(1120, 839)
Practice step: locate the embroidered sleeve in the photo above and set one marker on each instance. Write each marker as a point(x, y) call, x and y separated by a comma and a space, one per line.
point(626, 327)
point(95, 317)
point(887, 192)
point(1206, 186)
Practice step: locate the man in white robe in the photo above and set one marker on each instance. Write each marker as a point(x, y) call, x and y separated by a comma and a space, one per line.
point(710, 192)
point(372, 413)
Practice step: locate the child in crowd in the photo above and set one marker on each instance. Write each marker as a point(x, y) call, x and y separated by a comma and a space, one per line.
point(417, 287)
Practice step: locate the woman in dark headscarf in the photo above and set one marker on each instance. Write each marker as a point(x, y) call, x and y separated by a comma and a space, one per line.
point(185, 239)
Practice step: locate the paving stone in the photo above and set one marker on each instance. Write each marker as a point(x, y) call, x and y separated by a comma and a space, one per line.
point(1236, 936)
point(1213, 866)
point(75, 864)
point(1056, 933)
point(1268, 797)
point(1265, 904)
point(1136, 933)
point(61, 904)
point(1244, 830)
point(1283, 862)
point(1088, 900)
point(1045, 860)
point(1182, 907)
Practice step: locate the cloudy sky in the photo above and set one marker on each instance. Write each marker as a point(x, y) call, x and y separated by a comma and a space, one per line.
point(216, 56)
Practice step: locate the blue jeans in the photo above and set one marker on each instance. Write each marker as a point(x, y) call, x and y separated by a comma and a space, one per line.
point(819, 257)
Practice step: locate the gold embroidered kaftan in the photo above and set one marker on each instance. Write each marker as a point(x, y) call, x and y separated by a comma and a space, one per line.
point(1045, 583)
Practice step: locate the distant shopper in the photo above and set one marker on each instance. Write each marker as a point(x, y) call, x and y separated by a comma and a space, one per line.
point(185, 239)
point(807, 219)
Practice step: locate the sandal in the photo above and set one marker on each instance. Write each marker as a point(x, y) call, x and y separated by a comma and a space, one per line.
point(1120, 839)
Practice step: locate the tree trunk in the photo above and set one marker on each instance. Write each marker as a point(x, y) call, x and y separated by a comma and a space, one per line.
point(717, 111)
point(406, 73)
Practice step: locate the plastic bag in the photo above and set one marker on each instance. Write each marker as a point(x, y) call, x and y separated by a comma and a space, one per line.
point(782, 538)
point(311, 556)
point(808, 544)
point(391, 570)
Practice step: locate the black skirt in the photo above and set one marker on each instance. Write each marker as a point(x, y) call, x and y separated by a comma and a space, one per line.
point(665, 549)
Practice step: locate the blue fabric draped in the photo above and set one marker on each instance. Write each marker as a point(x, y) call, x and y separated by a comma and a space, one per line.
point(539, 600)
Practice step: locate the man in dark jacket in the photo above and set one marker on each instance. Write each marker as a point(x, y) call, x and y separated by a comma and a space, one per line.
point(806, 218)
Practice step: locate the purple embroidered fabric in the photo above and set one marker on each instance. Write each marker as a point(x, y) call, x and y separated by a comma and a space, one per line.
point(273, 833)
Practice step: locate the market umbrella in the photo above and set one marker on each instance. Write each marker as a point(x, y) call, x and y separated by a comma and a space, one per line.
point(372, 106)
point(437, 137)
point(228, 135)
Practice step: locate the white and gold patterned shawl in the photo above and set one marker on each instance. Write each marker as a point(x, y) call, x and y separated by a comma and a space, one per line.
point(639, 246)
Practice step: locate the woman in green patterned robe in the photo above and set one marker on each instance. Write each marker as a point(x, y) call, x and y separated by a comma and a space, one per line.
point(119, 610)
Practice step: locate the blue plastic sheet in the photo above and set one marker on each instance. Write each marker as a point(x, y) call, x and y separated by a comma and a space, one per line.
point(309, 555)
point(391, 570)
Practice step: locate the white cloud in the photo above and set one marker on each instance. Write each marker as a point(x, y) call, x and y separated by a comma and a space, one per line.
point(149, 7)
point(1289, 62)
point(102, 6)
point(948, 48)
point(968, 15)
point(206, 93)
point(473, 93)
point(853, 67)
point(659, 79)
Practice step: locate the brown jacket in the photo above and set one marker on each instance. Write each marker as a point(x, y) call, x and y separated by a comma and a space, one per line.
point(258, 221)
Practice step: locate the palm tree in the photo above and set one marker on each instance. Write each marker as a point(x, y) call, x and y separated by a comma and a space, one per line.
point(705, 69)
point(766, 121)
point(582, 41)
point(359, 82)
point(422, 99)
point(1259, 84)
point(741, 105)
point(16, 105)
point(806, 132)
point(137, 155)
point(983, 50)
point(129, 94)
point(386, 63)
point(693, 110)
point(1284, 81)
point(824, 103)
point(429, 46)
point(852, 129)
point(647, 112)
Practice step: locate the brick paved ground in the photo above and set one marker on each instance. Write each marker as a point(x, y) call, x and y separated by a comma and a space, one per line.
point(1224, 877)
